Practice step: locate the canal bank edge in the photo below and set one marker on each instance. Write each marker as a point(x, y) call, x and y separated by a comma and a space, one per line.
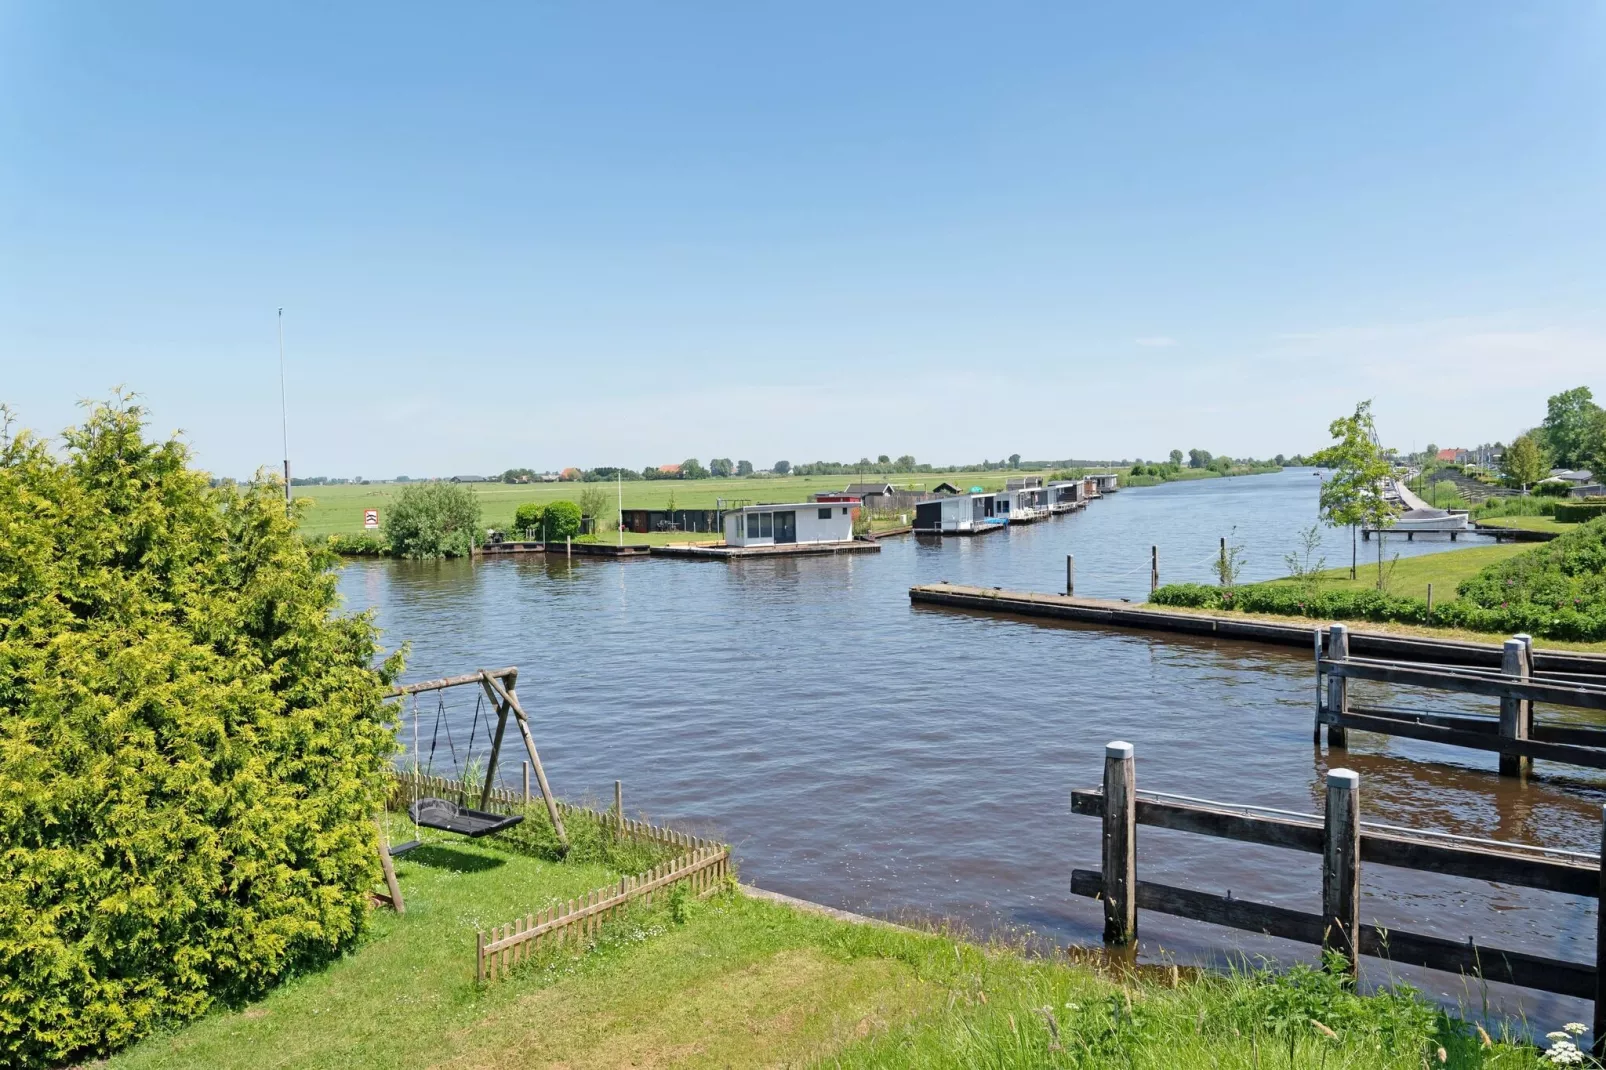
point(1143, 618)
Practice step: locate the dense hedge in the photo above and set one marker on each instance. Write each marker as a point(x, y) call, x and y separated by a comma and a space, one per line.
point(1557, 590)
point(192, 743)
point(1580, 511)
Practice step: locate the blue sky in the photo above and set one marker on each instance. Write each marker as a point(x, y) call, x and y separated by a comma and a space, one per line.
point(545, 234)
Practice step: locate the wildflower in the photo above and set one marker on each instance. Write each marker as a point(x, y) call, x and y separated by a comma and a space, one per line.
point(1577, 1029)
point(1444, 1056)
point(1323, 1030)
point(1483, 1036)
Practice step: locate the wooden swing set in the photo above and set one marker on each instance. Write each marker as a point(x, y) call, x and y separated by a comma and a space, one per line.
point(497, 688)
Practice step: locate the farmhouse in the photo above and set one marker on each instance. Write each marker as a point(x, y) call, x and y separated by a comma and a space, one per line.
point(779, 525)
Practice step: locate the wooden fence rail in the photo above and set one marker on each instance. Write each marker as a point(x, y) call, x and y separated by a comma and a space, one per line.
point(505, 946)
point(1344, 842)
point(1512, 734)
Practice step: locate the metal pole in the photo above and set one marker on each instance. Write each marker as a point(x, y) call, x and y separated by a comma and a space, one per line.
point(619, 482)
point(284, 414)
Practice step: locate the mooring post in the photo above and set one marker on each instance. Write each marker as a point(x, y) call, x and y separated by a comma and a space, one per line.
point(1070, 574)
point(619, 803)
point(1120, 844)
point(1516, 714)
point(1430, 603)
point(568, 547)
point(1599, 1048)
point(526, 765)
point(1221, 570)
point(1341, 865)
point(1316, 731)
point(1154, 569)
point(1337, 686)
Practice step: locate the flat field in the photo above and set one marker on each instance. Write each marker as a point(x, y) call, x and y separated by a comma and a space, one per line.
point(338, 510)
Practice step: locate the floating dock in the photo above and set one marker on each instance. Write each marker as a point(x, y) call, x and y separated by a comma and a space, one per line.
point(1151, 619)
point(585, 549)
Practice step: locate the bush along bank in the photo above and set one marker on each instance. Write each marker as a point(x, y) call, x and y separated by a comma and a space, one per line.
point(1555, 591)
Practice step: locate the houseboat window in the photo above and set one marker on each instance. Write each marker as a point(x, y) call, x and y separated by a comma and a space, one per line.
point(766, 525)
point(825, 514)
point(844, 510)
point(739, 526)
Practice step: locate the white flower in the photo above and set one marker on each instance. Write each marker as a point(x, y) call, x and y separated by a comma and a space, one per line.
point(1558, 1036)
point(1577, 1029)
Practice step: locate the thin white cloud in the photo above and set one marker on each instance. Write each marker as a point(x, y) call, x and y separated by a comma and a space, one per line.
point(1156, 341)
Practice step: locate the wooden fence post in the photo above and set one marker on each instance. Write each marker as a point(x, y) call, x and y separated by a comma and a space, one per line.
point(1154, 569)
point(1516, 714)
point(1070, 575)
point(526, 765)
point(1430, 603)
point(1316, 732)
point(619, 804)
point(389, 868)
point(1599, 1048)
point(479, 957)
point(1337, 686)
point(1120, 844)
point(1341, 864)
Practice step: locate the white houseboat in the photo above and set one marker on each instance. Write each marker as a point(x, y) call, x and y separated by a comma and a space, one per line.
point(780, 525)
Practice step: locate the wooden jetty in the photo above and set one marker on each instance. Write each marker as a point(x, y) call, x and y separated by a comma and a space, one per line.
point(583, 549)
point(1513, 734)
point(1107, 613)
point(1344, 842)
point(720, 552)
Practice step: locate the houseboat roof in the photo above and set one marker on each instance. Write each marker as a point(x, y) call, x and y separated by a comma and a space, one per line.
point(870, 488)
point(770, 506)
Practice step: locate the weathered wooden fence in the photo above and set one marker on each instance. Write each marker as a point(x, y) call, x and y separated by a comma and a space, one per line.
point(1344, 842)
point(703, 869)
point(1513, 734)
point(406, 788)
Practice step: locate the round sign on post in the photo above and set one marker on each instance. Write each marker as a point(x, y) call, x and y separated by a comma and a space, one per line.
point(370, 519)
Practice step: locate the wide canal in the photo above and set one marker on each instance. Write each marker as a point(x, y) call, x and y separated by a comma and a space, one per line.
point(903, 761)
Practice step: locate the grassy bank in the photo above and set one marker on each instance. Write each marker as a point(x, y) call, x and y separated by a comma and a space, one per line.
point(1183, 475)
point(1410, 576)
point(1527, 523)
point(339, 509)
point(736, 982)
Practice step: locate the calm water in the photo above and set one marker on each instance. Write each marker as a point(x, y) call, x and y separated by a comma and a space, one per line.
point(864, 753)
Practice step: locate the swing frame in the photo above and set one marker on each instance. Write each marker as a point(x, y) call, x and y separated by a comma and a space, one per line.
point(499, 687)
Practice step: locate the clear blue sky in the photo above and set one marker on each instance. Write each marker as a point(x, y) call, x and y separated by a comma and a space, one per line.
point(611, 233)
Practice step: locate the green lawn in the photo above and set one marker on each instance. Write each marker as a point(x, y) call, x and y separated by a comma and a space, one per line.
point(739, 982)
point(339, 509)
point(1410, 576)
point(1528, 523)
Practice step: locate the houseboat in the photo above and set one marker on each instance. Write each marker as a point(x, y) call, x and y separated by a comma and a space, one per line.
point(781, 525)
point(1025, 506)
point(1064, 496)
point(1108, 483)
point(959, 514)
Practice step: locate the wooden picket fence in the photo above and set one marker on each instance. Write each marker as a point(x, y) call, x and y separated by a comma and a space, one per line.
point(496, 952)
point(405, 789)
point(700, 863)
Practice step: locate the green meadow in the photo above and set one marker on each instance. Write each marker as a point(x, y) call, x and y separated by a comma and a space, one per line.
point(338, 510)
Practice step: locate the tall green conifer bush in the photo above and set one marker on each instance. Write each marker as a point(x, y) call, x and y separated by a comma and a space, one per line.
point(192, 742)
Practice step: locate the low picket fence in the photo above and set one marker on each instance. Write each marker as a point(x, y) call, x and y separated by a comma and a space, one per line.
point(405, 788)
point(496, 952)
point(701, 864)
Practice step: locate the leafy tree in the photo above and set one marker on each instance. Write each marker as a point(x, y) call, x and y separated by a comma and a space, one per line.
point(434, 520)
point(1431, 453)
point(1176, 458)
point(559, 521)
point(1014, 460)
point(527, 518)
point(593, 501)
point(782, 467)
point(1353, 494)
point(193, 742)
point(1525, 461)
point(883, 459)
point(1595, 443)
point(1221, 464)
point(690, 469)
point(519, 475)
point(1568, 417)
point(1199, 458)
point(906, 463)
point(1280, 461)
point(744, 468)
point(720, 468)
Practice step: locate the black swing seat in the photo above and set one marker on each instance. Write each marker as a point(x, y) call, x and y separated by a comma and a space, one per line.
point(448, 816)
point(402, 848)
